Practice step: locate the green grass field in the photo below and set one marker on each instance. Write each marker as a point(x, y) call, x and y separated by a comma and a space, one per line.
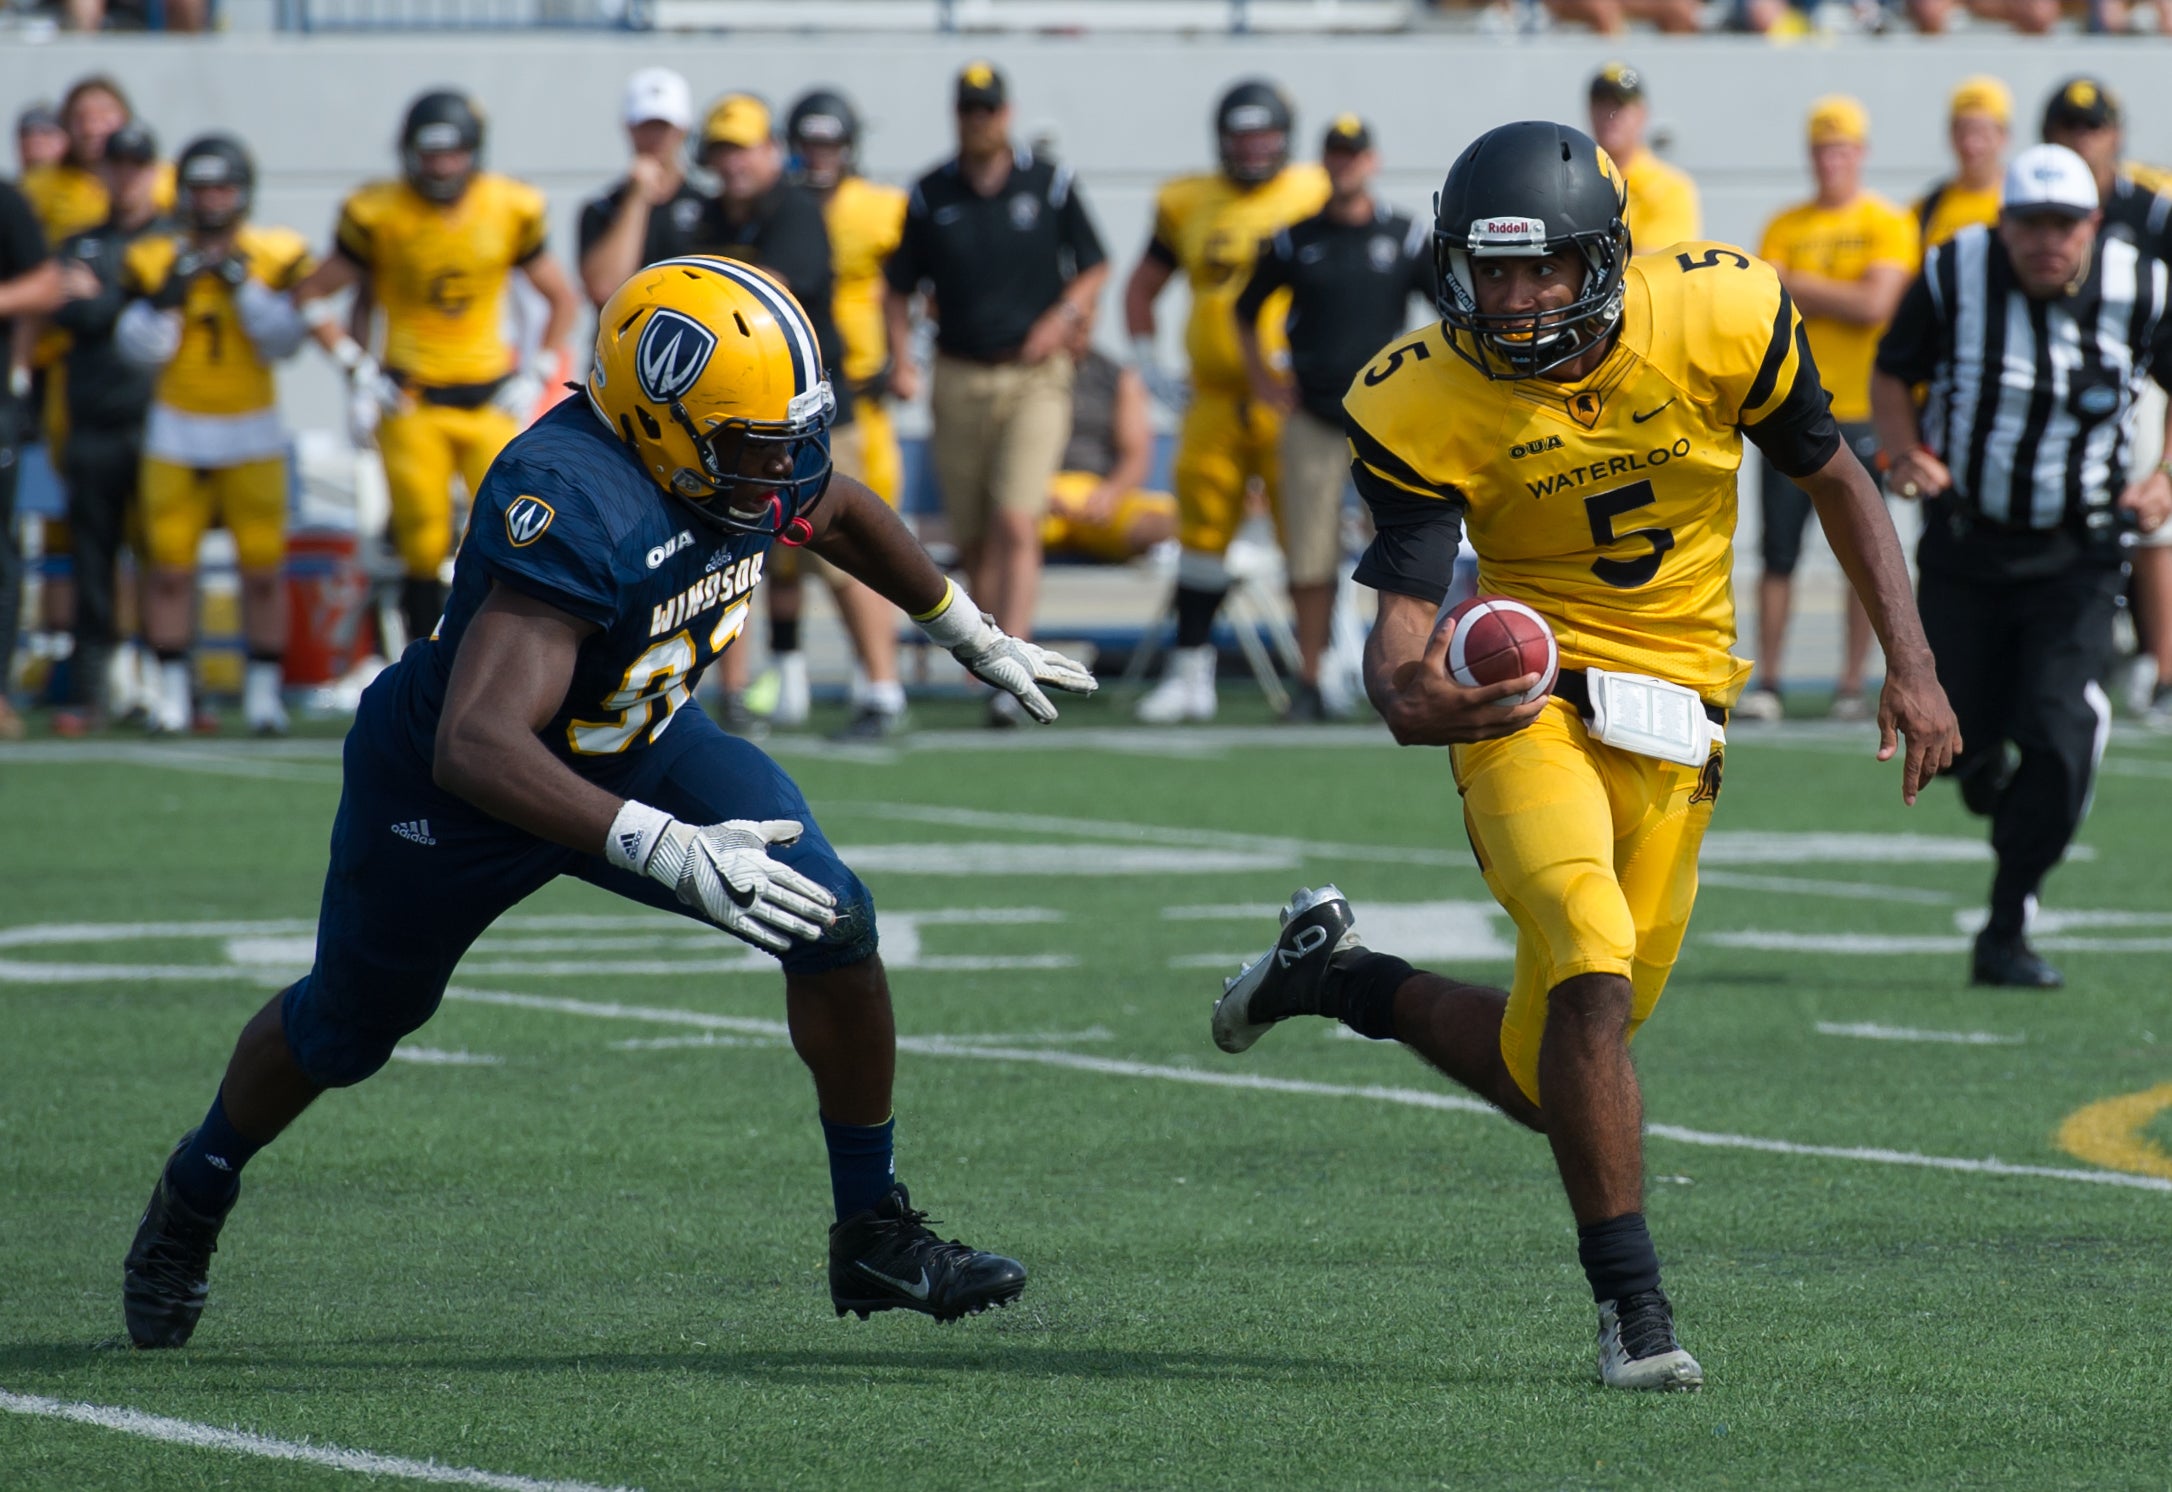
point(584, 1244)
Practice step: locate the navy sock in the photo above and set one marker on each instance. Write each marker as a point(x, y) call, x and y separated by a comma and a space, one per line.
point(784, 634)
point(1195, 611)
point(862, 1167)
point(207, 1171)
point(1618, 1257)
point(1364, 988)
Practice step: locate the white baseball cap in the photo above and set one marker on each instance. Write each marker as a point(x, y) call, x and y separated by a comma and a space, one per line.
point(2050, 178)
point(658, 93)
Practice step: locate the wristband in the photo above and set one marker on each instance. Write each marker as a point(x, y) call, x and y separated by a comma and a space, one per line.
point(950, 593)
point(634, 836)
point(954, 623)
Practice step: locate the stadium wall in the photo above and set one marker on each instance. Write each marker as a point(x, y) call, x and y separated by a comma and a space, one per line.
point(320, 111)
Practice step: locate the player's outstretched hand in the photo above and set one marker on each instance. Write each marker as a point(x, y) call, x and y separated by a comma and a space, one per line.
point(1429, 708)
point(724, 872)
point(1913, 707)
point(1008, 663)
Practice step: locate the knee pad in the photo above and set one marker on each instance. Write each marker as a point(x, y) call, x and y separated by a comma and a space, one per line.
point(1586, 920)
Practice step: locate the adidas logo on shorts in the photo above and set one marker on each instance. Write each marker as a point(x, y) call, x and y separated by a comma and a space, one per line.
point(417, 830)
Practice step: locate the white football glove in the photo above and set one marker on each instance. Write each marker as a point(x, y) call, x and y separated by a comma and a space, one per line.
point(519, 394)
point(995, 657)
point(725, 873)
point(370, 392)
point(1173, 391)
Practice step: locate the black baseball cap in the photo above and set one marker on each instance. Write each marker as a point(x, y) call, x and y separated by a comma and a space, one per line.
point(2081, 104)
point(1617, 83)
point(1347, 132)
point(980, 86)
point(132, 144)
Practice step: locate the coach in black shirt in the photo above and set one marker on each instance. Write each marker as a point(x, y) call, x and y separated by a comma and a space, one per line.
point(2029, 503)
point(1350, 270)
point(29, 284)
point(653, 212)
point(1003, 244)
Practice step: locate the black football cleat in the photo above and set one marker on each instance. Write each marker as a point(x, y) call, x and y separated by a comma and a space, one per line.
point(167, 1274)
point(1289, 978)
point(2010, 963)
point(886, 1259)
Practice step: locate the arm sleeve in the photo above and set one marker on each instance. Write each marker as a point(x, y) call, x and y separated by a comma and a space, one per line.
point(1270, 272)
point(352, 236)
point(1910, 348)
point(907, 265)
point(1079, 233)
point(1799, 434)
point(1784, 408)
point(1415, 539)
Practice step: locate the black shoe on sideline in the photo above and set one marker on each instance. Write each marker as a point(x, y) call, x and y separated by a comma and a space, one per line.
point(870, 724)
point(167, 1274)
point(2009, 963)
point(1306, 707)
point(886, 1259)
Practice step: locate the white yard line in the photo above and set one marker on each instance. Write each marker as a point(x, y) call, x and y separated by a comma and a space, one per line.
point(430, 1056)
point(1735, 880)
point(1879, 945)
point(1872, 1031)
point(1416, 1098)
point(246, 1443)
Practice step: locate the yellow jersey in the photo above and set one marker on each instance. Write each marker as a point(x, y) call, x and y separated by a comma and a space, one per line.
point(440, 272)
point(1606, 505)
point(866, 221)
point(217, 369)
point(2148, 178)
point(1844, 243)
point(68, 199)
point(1663, 207)
point(1210, 228)
point(1949, 207)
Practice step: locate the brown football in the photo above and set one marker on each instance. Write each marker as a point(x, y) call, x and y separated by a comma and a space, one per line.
point(1496, 639)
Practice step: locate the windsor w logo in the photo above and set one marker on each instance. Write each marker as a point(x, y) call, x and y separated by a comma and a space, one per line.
point(673, 350)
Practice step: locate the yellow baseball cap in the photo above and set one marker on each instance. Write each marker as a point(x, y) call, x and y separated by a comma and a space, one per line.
point(1837, 119)
point(1982, 94)
point(736, 119)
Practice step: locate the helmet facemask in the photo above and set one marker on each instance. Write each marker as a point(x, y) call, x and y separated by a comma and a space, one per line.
point(739, 485)
point(1529, 344)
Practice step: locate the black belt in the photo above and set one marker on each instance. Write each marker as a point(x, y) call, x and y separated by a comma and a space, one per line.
point(1571, 684)
point(450, 395)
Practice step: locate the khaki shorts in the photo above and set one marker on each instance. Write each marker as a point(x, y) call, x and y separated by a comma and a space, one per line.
point(1315, 474)
point(999, 436)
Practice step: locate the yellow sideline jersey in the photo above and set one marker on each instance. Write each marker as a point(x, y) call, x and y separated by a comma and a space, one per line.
point(439, 273)
point(1606, 505)
point(1949, 207)
point(217, 369)
point(68, 199)
point(1210, 228)
point(1843, 243)
point(865, 220)
point(1663, 207)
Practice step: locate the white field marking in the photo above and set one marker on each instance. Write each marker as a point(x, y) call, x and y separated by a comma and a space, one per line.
point(1069, 858)
point(1871, 1031)
point(1440, 931)
point(1232, 911)
point(1732, 880)
point(1875, 945)
point(217, 762)
point(2051, 921)
point(707, 1038)
point(2127, 766)
point(430, 1056)
point(936, 1046)
point(246, 1443)
point(1020, 1038)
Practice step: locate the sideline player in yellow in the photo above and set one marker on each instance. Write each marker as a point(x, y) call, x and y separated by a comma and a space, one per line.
point(1845, 256)
point(1210, 227)
point(207, 310)
point(1979, 121)
point(1663, 206)
point(436, 249)
point(1583, 415)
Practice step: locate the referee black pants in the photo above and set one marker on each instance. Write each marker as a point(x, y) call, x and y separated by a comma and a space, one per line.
point(103, 469)
point(2022, 658)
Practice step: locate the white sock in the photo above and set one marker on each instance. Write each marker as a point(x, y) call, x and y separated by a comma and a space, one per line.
point(175, 707)
point(887, 697)
point(792, 670)
point(260, 684)
point(856, 691)
point(1195, 665)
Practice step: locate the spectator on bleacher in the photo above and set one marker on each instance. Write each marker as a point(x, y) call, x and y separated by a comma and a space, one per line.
point(39, 138)
point(652, 212)
point(107, 397)
point(1350, 270)
point(1098, 505)
point(1978, 118)
point(29, 286)
point(208, 311)
point(1003, 243)
point(1846, 256)
point(2085, 116)
point(144, 15)
point(1663, 205)
point(1612, 17)
point(865, 221)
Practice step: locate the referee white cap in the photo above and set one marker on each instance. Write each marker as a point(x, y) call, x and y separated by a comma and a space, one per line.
point(2050, 178)
point(658, 93)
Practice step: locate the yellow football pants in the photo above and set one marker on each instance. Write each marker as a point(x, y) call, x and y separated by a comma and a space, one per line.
point(1227, 439)
point(868, 449)
point(181, 503)
point(1593, 852)
point(1066, 530)
point(424, 447)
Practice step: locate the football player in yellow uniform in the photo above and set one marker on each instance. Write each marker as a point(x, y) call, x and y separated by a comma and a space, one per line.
point(1583, 415)
point(1209, 226)
point(208, 309)
point(436, 250)
point(1979, 118)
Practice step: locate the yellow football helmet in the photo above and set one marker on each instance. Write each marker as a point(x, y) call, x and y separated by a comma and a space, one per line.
point(710, 372)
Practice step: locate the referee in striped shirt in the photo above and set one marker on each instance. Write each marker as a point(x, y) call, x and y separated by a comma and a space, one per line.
point(2033, 338)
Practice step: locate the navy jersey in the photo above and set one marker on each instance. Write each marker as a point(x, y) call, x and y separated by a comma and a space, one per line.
point(568, 517)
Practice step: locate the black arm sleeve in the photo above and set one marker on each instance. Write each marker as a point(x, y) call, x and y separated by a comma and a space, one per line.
point(1912, 343)
point(1799, 435)
point(1415, 539)
point(907, 265)
point(1270, 272)
point(22, 241)
point(1079, 234)
point(1161, 253)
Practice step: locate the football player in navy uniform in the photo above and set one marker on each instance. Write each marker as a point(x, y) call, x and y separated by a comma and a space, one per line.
point(612, 553)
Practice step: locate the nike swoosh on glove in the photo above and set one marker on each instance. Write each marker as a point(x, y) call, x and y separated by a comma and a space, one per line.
point(725, 872)
point(995, 657)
